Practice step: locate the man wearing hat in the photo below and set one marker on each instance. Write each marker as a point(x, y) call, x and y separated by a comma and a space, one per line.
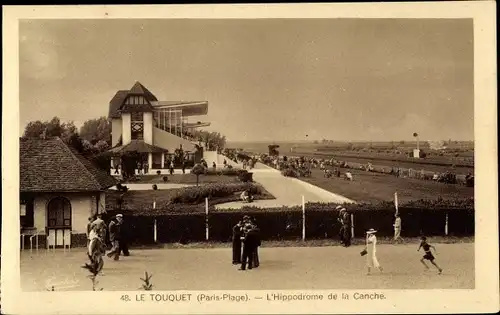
point(340, 219)
point(346, 228)
point(249, 244)
point(371, 249)
point(114, 237)
point(237, 234)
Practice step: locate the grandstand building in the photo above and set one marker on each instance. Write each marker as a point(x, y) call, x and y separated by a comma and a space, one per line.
point(156, 129)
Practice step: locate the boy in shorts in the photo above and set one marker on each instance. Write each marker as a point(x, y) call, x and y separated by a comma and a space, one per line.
point(428, 254)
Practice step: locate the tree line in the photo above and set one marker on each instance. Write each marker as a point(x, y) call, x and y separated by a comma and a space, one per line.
point(94, 136)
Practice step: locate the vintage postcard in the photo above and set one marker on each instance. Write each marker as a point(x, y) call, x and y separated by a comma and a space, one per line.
point(277, 159)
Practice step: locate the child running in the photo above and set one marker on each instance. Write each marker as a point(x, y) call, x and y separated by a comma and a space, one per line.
point(428, 254)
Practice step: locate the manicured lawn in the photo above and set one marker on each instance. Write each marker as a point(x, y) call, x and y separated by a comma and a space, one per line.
point(188, 179)
point(142, 200)
point(374, 187)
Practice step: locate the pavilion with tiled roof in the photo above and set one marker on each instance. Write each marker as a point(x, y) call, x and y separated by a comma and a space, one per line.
point(59, 190)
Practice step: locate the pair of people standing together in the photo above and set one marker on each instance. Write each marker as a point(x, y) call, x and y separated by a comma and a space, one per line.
point(246, 236)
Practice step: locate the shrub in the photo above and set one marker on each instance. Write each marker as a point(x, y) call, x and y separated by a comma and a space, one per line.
point(158, 172)
point(165, 178)
point(289, 172)
point(195, 195)
point(155, 187)
point(225, 171)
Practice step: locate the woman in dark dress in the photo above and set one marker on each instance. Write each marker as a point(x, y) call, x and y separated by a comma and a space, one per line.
point(237, 243)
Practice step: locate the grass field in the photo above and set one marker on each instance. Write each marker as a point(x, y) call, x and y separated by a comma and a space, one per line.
point(287, 268)
point(385, 161)
point(434, 162)
point(373, 187)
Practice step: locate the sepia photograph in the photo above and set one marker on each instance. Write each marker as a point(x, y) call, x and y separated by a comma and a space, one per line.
point(281, 154)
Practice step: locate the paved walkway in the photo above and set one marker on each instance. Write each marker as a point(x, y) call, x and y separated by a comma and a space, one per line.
point(285, 268)
point(287, 191)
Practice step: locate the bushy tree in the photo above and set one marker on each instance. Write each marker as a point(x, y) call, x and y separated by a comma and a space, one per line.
point(96, 130)
point(52, 128)
point(34, 129)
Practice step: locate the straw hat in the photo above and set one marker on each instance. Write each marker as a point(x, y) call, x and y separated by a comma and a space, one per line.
point(371, 231)
point(338, 207)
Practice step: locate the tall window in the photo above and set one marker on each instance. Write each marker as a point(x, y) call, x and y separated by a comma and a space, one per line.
point(27, 213)
point(137, 126)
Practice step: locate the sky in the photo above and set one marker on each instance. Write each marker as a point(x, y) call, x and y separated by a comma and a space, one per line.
point(264, 79)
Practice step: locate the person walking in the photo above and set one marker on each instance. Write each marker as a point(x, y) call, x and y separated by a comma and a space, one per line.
point(171, 167)
point(100, 226)
point(397, 228)
point(114, 237)
point(346, 228)
point(89, 228)
point(371, 249)
point(340, 219)
point(124, 238)
point(237, 234)
point(96, 249)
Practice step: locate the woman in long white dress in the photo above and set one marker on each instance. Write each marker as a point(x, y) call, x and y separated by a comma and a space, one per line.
point(371, 248)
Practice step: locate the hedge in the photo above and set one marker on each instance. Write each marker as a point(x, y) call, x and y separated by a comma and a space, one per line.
point(197, 194)
point(285, 223)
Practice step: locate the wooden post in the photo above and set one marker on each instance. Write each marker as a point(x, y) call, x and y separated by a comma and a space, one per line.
point(206, 219)
point(352, 225)
point(303, 218)
point(446, 225)
point(155, 227)
point(155, 231)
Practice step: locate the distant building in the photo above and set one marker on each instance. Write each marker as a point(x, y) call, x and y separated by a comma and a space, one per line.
point(59, 191)
point(142, 123)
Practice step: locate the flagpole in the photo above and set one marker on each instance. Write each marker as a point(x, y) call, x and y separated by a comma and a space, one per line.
point(155, 228)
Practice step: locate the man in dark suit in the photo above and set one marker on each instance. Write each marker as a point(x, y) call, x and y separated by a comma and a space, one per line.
point(256, 230)
point(124, 238)
point(249, 245)
point(114, 237)
point(237, 233)
point(346, 228)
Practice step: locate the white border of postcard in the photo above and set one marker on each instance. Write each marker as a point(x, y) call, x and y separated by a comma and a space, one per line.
point(485, 296)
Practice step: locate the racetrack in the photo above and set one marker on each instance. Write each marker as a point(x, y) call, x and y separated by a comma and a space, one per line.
point(282, 268)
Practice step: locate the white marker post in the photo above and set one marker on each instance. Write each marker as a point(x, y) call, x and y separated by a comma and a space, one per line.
point(446, 225)
point(396, 202)
point(206, 218)
point(352, 225)
point(303, 218)
point(155, 229)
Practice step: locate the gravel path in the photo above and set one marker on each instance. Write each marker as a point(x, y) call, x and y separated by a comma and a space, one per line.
point(287, 268)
